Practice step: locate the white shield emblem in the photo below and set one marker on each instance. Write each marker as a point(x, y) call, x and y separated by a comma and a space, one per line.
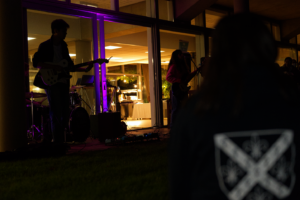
point(255, 165)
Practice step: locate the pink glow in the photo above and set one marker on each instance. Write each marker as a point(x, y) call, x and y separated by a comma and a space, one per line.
point(103, 66)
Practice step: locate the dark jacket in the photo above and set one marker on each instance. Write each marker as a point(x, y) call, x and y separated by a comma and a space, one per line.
point(196, 161)
point(45, 53)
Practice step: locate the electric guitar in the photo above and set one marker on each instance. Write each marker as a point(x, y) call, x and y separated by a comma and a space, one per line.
point(51, 76)
point(181, 89)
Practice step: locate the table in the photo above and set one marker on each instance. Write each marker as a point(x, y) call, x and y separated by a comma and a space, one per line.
point(141, 110)
point(144, 110)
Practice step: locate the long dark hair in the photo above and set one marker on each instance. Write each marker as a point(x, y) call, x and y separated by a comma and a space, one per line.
point(179, 64)
point(240, 42)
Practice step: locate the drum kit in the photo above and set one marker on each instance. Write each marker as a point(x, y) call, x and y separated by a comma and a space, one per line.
point(39, 124)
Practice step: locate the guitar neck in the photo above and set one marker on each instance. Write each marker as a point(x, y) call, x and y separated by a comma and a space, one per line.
point(83, 64)
point(87, 63)
point(190, 78)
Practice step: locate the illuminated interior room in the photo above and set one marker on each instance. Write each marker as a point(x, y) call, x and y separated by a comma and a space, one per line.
point(140, 35)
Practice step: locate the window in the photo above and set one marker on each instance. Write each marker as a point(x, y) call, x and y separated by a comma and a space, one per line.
point(276, 32)
point(213, 17)
point(137, 7)
point(293, 40)
point(114, 69)
point(94, 3)
point(285, 52)
point(130, 69)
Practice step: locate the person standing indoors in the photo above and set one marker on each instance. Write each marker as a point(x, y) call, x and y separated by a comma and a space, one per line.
point(239, 137)
point(53, 51)
point(179, 75)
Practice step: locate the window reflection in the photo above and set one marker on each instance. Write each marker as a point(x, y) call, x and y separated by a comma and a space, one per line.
point(285, 52)
point(213, 17)
point(137, 7)
point(276, 32)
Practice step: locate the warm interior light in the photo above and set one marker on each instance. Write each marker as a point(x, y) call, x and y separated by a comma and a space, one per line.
point(72, 55)
point(124, 81)
point(115, 58)
point(88, 4)
point(112, 47)
point(37, 89)
point(30, 38)
point(160, 51)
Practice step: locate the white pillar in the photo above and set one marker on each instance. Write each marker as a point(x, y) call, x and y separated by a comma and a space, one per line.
point(150, 6)
point(200, 43)
point(170, 11)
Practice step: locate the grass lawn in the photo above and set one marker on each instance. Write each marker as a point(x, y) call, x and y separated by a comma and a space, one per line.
point(138, 171)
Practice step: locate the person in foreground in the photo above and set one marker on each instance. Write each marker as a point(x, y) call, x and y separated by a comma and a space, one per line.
point(238, 138)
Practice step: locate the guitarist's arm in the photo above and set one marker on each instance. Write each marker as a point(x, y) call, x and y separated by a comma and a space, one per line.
point(42, 65)
point(191, 75)
point(84, 69)
point(79, 67)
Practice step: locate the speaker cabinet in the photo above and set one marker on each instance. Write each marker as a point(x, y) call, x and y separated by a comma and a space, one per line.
point(106, 125)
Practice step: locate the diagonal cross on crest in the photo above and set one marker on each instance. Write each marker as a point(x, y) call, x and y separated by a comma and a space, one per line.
point(256, 171)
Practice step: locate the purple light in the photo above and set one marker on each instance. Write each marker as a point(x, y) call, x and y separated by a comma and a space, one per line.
point(103, 66)
point(96, 66)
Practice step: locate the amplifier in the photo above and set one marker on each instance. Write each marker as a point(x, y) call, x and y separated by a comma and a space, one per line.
point(106, 125)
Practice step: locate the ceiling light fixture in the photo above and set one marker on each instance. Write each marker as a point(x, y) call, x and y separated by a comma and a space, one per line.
point(112, 47)
point(30, 38)
point(72, 55)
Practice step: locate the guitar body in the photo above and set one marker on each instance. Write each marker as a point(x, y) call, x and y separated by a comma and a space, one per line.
point(51, 76)
point(180, 90)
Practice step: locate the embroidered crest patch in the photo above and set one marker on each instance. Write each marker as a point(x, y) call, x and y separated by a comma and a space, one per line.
point(255, 165)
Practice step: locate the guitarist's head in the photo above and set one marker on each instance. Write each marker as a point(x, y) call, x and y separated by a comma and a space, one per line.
point(59, 29)
point(177, 60)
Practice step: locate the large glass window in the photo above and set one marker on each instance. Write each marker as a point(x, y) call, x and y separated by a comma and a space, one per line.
point(170, 41)
point(79, 41)
point(128, 72)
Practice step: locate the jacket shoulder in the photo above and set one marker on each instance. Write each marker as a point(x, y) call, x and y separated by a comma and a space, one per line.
point(45, 44)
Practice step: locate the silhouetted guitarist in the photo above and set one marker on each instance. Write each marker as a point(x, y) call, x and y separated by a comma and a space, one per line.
point(53, 51)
